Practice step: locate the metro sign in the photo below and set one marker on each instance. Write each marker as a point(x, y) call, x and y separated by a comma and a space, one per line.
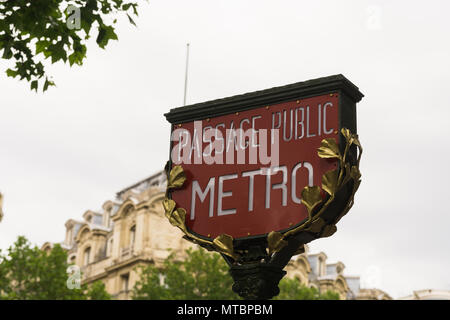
point(247, 158)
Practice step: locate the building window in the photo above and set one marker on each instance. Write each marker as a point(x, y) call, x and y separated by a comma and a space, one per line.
point(86, 256)
point(110, 247)
point(125, 279)
point(132, 236)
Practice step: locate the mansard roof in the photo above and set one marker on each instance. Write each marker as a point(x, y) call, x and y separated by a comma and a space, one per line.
point(157, 179)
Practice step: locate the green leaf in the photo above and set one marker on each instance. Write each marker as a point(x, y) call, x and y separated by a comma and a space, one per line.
point(78, 55)
point(34, 85)
point(11, 73)
point(41, 46)
point(47, 84)
point(56, 52)
point(131, 20)
point(105, 33)
point(7, 53)
point(126, 6)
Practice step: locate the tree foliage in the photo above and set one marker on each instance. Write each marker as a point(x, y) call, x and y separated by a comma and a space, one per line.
point(201, 276)
point(292, 289)
point(28, 273)
point(32, 31)
point(204, 275)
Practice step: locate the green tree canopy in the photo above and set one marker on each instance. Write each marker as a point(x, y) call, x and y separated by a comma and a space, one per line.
point(200, 276)
point(28, 273)
point(292, 289)
point(32, 31)
point(204, 275)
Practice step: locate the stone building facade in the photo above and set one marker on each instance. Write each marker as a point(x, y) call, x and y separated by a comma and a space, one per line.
point(132, 230)
point(428, 294)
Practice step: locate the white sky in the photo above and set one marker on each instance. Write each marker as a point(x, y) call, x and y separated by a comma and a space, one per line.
point(102, 128)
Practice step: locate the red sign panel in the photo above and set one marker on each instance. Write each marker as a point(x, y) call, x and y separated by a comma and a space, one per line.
point(243, 198)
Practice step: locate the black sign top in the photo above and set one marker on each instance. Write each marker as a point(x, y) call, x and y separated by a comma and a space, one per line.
point(261, 98)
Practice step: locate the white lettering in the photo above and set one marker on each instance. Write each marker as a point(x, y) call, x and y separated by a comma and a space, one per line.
point(196, 190)
point(222, 194)
point(251, 184)
point(328, 104)
point(281, 185)
point(308, 166)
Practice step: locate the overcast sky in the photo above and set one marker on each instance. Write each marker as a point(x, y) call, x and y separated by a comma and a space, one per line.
point(102, 128)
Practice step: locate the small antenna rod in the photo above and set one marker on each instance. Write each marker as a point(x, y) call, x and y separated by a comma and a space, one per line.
point(186, 76)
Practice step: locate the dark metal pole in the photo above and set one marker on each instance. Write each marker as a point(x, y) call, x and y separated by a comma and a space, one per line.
point(256, 275)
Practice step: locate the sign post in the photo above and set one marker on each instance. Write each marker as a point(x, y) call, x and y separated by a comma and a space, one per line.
point(256, 176)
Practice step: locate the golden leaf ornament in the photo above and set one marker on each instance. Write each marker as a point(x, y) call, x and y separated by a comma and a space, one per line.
point(177, 177)
point(311, 197)
point(329, 149)
point(275, 242)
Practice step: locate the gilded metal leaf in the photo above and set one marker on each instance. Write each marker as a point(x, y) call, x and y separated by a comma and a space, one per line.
point(328, 231)
point(169, 205)
point(275, 242)
point(177, 218)
point(330, 182)
point(311, 197)
point(316, 225)
point(224, 244)
point(347, 134)
point(329, 149)
point(348, 173)
point(356, 140)
point(177, 177)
